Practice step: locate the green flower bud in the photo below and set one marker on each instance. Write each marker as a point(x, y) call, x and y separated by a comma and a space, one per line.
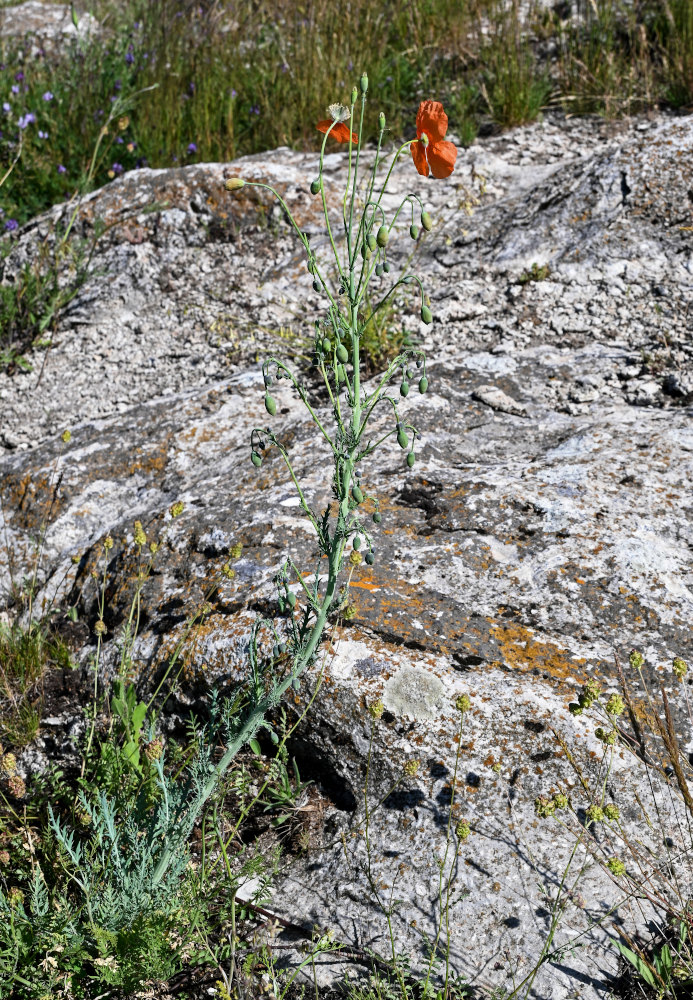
point(370, 558)
point(326, 344)
point(376, 709)
point(404, 389)
point(317, 287)
point(423, 384)
point(544, 807)
point(463, 830)
point(256, 459)
point(386, 267)
point(680, 667)
point(357, 494)
point(357, 542)
point(402, 439)
point(382, 236)
point(411, 458)
point(234, 183)
point(340, 373)
point(426, 315)
point(365, 252)
point(612, 812)
point(381, 121)
point(615, 706)
point(463, 703)
point(377, 517)
point(291, 599)
point(426, 221)
point(270, 404)
point(354, 95)
point(372, 242)
point(315, 186)
point(616, 867)
point(414, 232)
point(379, 269)
point(595, 814)
point(364, 83)
point(636, 659)
point(342, 353)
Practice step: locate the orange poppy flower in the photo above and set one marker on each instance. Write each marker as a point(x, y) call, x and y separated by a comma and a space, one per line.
point(439, 155)
point(340, 132)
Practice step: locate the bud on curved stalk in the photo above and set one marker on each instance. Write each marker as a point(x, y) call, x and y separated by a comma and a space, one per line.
point(426, 315)
point(316, 186)
point(234, 183)
point(382, 236)
point(426, 221)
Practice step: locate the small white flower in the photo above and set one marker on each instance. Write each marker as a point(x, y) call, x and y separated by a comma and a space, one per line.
point(339, 112)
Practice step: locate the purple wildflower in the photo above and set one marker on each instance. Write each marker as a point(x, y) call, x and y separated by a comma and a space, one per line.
point(42, 135)
point(11, 225)
point(117, 168)
point(233, 93)
point(15, 88)
point(117, 85)
point(192, 148)
point(119, 139)
point(255, 110)
point(6, 107)
point(129, 57)
point(62, 169)
point(192, 86)
point(28, 119)
point(19, 76)
point(48, 96)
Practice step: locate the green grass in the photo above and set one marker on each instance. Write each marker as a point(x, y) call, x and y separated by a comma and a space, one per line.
point(212, 82)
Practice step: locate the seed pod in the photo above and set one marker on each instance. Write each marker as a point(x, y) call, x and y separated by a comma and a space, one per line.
point(370, 558)
point(315, 186)
point(291, 599)
point(414, 232)
point(357, 494)
point(372, 242)
point(426, 221)
point(423, 384)
point(404, 389)
point(411, 458)
point(377, 517)
point(382, 236)
point(357, 542)
point(381, 121)
point(426, 315)
point(364, 83)
point(316, 285)
point(386, 267)
point(256, 459)
point(327, 344)
point(270, 404)
point(342, 353)
point(402, 439)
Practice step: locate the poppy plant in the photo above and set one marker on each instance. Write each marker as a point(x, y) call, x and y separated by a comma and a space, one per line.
point(429, 148)
point(340, 132)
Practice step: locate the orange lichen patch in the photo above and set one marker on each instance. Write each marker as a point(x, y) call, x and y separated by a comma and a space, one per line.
point(365, 585)
point(520, 650)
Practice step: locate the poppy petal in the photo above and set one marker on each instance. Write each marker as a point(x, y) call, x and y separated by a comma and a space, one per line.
point(432, 120)
point(442, 156)
point(340, 132)
point(418, 154)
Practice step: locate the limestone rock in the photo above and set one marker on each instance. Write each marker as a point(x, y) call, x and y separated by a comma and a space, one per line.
point(45, 26)
point(528, 545)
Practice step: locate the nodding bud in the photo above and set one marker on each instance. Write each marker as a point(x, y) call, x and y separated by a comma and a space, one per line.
point(426, 221)
point(426, 315)
point(354, 95)
point(234, 183)
point(381, 121)
point(364, 82)
point(424, 140)
point(315, 186)
point(414, 232)
point(372, 242)
point(383, 236)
